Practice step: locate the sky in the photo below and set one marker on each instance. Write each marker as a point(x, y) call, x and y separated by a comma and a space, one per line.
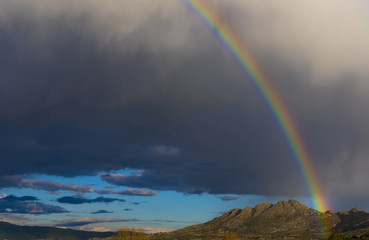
point(132, 113)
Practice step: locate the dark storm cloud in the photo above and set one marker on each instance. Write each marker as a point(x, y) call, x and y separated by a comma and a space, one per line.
point(54, 187)
point(51, 186)
point(12, 198)
point(90, 88)
point(27, 205)
point(101, 212)
point(82, 200)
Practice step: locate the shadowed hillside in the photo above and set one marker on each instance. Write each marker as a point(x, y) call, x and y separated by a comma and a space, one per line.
point(15, 232)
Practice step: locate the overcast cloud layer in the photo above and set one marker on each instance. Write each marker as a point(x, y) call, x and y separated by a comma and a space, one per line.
point(98, 86)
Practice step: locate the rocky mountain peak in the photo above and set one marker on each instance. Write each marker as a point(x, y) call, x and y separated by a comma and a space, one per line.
point(356, 209)
point(290, 204)
point(260, 208)
point(295, 203)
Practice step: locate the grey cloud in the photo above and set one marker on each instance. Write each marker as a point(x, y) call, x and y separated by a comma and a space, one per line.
point(288, 29)
point(12, 198)
point(101, 212)
point(27, 205)
point(229, 197)
point(53, 187)
point(139, 180)
point(95, 87)
point(82, 200)
point(129, 192)
point(86, 221)
point(164, 151)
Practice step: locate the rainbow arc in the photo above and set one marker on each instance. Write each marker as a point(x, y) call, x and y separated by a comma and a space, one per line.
point(270, 95)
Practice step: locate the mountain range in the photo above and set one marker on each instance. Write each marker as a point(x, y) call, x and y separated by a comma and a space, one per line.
point(283, 220)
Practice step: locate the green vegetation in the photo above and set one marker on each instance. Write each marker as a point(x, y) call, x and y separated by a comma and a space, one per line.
point(130, 234)
point(231, 236)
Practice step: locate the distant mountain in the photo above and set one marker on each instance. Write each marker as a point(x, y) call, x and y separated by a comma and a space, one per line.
point(14, 232)
point(283, 220)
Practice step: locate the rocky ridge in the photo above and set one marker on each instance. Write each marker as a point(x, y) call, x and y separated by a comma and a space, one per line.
point(283, 220)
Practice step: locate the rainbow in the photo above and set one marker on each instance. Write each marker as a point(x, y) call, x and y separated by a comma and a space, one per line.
point(269, 94)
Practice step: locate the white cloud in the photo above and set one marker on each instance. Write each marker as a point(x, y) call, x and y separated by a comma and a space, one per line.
point(97, 228)
point(157, 229)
